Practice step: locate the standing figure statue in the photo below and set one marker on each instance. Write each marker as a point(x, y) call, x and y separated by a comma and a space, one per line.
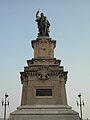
point(43, 24)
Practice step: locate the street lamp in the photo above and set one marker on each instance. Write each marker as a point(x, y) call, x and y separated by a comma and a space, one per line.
point(80, 103)
point(5, 103)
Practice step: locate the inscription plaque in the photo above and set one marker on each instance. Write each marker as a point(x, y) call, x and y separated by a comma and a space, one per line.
point(43, 92)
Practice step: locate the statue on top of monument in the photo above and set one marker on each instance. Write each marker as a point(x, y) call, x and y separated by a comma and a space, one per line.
point(43, 24)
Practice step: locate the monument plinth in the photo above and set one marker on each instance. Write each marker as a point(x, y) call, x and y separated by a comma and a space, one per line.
point(44, 82)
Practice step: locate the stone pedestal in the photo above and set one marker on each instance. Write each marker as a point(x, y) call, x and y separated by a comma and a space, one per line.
point(44, 86)
point(44, 112)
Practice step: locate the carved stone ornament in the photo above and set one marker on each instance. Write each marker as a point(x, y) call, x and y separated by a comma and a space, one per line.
point(43, 73)
point(43, 44)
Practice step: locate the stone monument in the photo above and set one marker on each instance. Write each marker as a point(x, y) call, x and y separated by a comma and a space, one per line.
point(44, 82)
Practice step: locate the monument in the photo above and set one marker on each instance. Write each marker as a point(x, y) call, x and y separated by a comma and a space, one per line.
point(44, 82)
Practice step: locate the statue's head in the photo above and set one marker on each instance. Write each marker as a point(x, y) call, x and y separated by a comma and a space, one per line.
point(42, 14)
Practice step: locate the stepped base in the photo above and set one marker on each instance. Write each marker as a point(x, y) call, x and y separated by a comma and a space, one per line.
point(44, 112)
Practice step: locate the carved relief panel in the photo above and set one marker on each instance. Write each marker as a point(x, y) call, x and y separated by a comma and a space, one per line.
point(43, 48)
point(43, 73)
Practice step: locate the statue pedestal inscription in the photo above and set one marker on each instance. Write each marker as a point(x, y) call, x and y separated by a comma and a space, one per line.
point(44, 85)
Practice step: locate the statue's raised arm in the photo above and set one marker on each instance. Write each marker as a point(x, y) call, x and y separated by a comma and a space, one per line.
point(43, 24)
point(37, 13)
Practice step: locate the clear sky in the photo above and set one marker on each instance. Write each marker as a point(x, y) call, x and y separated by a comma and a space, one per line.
point(70, 26)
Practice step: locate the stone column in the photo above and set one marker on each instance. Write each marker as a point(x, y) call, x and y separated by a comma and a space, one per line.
point(24, 80)
point(24, 94)
point(63, 92)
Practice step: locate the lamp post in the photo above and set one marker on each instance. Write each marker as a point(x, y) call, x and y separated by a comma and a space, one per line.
point(80, 103)
point(5, 103)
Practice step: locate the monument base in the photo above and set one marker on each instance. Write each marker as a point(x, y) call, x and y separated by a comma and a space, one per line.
point(44, 112)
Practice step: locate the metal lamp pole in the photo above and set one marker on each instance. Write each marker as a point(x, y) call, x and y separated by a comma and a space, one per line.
point(80, 103)
point(5, 103)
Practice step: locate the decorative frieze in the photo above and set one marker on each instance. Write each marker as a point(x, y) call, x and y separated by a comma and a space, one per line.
point(43, 61)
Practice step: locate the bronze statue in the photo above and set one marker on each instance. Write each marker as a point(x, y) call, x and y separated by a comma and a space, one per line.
point(43, 24)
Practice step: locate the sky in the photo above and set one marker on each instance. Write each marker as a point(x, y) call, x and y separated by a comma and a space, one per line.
point(70, 27)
